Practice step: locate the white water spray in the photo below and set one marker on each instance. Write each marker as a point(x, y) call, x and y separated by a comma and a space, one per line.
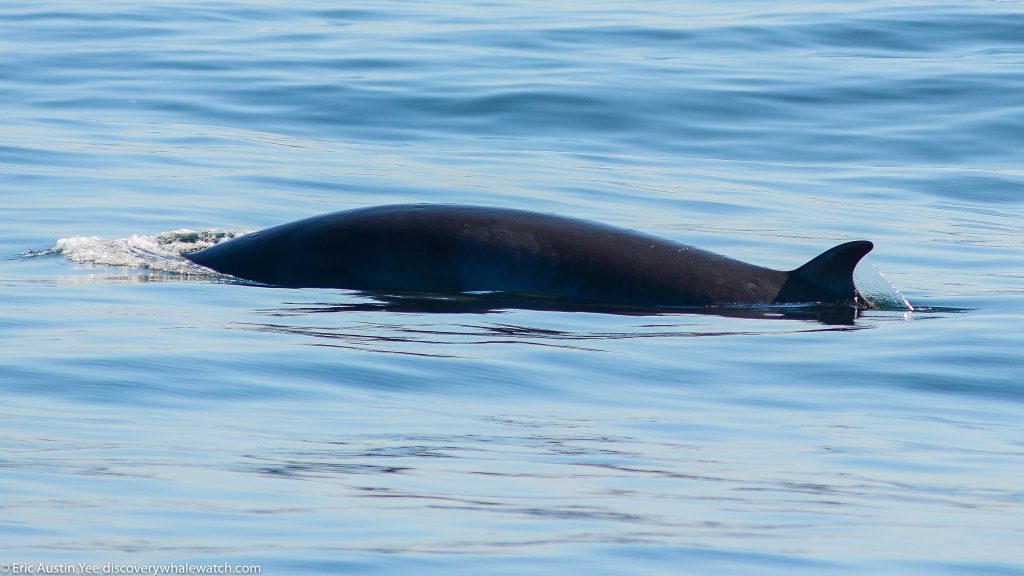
point(161, 252)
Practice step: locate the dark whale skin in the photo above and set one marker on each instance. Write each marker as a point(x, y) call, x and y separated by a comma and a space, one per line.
point(452, 249)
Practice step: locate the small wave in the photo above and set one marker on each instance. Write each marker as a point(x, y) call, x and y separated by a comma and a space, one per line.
point(161, 252)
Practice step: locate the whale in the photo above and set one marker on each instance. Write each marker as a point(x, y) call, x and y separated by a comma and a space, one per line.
point(463, 249)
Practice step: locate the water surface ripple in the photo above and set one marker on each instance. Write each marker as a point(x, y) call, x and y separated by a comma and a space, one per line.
point(155, 414)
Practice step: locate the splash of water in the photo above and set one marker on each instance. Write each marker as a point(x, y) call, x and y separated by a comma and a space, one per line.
point(879, 291)
point(161, 252)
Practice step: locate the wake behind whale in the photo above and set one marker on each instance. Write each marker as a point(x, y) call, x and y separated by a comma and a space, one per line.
point(455, 249)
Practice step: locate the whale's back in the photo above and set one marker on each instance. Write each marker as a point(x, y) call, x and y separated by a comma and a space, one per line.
point(458, 249)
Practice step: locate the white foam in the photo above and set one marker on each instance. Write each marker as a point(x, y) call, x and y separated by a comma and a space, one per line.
point(161, 252)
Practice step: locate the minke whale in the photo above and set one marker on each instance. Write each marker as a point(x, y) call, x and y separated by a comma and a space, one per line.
point(457, 249)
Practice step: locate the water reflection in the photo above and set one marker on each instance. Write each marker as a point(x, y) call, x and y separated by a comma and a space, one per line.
point(444, 326)
point(496, 303)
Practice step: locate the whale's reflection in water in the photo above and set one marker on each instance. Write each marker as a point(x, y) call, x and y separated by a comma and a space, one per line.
point(489, 303)
point(417, 319)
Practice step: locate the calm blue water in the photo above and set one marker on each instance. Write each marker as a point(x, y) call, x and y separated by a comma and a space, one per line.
point(155, 416)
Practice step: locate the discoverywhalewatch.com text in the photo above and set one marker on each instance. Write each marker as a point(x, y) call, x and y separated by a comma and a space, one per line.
point(133, 569)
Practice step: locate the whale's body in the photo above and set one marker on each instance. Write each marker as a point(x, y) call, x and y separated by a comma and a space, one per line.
point(455, 249)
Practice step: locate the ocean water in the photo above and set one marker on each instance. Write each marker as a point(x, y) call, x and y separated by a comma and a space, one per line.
point(156, 415)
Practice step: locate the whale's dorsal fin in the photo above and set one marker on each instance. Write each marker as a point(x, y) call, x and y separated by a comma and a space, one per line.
point(827, 278)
